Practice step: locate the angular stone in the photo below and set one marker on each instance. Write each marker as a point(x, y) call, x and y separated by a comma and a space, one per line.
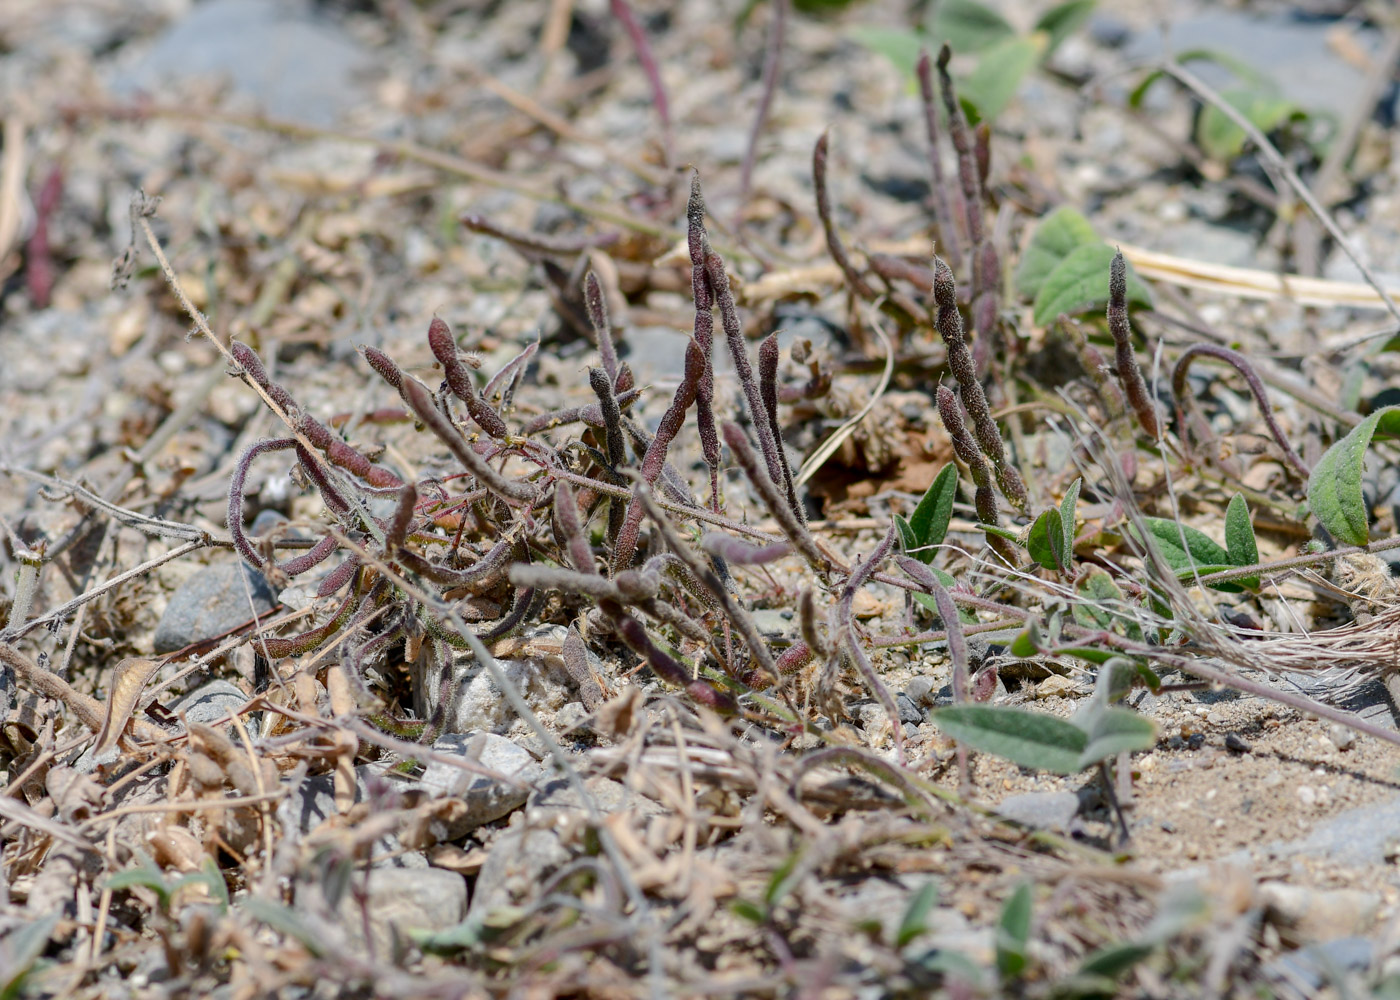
point(1042, 810)
point(212, 602)
point(487, 799)
point(213, 701)
point(1304, 915)
point(403, 900)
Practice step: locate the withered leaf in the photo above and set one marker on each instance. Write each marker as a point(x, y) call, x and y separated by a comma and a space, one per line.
point(129, 679)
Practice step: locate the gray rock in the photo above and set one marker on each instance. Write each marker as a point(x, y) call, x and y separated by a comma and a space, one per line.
point(1042, 810)
point(920, 691)
point(294, 65)
point(533, 845)
point(212, 602)
point(1357, 837)
point(402, 900)
point(909, 712)
point(213, 701)
point(574, 720)
point(487, 799)
point(475, 703)
point(1315, 965)
point(1303, 915)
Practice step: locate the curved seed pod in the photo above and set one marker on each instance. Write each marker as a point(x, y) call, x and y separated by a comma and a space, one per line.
point(459, 380)
point(252, 365)
point(596, 304)
point(768, 391)
point(984, 428)
point(340, 454)
point(397, 531)
point(1125, 362)
point(602, 386)
point(796, 531)
point(1256, 387)
point(950, 225)
point(635, 636)
point(738, 553)
point(313, 556)
point(338, 577)
point(857, 284)
point(331, 496)
point(699, 246)
point(235, 497)
point(655, 458)
point(385, 367)
point(566, 516)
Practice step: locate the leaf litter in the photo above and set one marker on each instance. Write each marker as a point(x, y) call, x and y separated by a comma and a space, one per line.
point(689, 713)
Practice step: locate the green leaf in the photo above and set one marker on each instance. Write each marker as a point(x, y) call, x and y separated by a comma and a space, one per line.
point(210, 876)
point(908, 541)
point(1111, 961)
point(968, 26)
point(1334, 488)
point(995, 529)
point(900, 46)
point(1099, 598)
point(1027, 644)
point(929, 521)
point(1056, 236)
point(285, 921)
point(20, 949)
point(1068, 507)
point(449, 940)
point(1221, 139)
point(994, 81)
point(1183, 546)
point(951, 965)
point(1014, 932)
point(146, 875)
point(1030, 739)
point(1113, 730)
point(781, 881)
point(1079, 283)
point(1239, 539)
point(916, 913)
point(751, 912)
point(1063, 20)
point(1047, 539)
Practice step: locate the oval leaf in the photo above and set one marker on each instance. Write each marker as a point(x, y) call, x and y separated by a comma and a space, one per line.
point(929, 521)
point(1056, 236)
point(1239, 539)
point(1030, 739)
point(991, 85)
point(1079, 284)
point(1046, 540)
point(1334, 488)
point(1115, 730)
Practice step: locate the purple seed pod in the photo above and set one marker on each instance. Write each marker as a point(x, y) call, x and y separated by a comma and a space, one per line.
point(857, 284)
point(615, 443)
point(1129, 374)
point(794, 658)
point(738, 553)
point(397, 531)
point(699, 246)
point(984, 428)
point(384, 366)
point(249, 361)
point(951, 222)
point(340, 454)
point(768, 391)
point(566, 515)
point(597, 305)
point(459, 380)
point(769, 493)
point(654, 460)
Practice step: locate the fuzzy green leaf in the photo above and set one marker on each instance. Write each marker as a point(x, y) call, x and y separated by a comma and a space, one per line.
point(1239, 539)
point(1221, 139)
point(1030, 739)
point(929, 521)
point(1114, 730)
point(1183, 546)
point(901, 47)
point(968, 26)
point(1079, 283)
point(1334, 488)
point(908, 541)
point(284, 920)
point(1056, 236)
point(1027, 644)
point(1064, 19)
point(1046, 540)
point(1014, 932)
point(1068, 507)
point(994, 81)
point(916, 914)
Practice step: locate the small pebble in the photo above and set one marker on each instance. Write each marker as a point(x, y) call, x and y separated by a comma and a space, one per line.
point(1340, 736)
point(1055, 686)
point(1307, 795)
point(1236, 743)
